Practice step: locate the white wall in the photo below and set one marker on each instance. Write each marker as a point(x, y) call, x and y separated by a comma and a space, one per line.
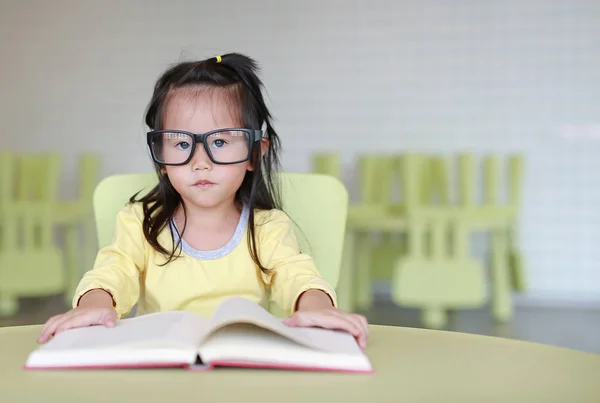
point(353, 76)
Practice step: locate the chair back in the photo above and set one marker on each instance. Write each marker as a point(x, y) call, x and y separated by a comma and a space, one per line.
point(316, 203)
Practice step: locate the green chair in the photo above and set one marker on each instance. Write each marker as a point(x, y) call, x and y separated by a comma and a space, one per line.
point(425, 268)
point(507, 269)
point(75, 218)
point(436, 275)
point(30, 263)
point(373, 221)
point(317, 204)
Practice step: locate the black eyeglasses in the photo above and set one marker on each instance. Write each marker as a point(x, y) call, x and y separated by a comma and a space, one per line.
point(223, 146)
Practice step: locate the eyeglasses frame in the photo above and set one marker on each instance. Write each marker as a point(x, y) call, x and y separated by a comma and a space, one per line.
point(254, 135)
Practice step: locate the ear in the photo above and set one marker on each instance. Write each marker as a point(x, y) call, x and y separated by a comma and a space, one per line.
point(264, 147)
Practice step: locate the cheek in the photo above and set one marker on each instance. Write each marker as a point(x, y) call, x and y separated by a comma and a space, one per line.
point(233, 174)
point(176, 176)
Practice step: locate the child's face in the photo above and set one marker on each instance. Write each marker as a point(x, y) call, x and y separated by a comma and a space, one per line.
point(200, 113)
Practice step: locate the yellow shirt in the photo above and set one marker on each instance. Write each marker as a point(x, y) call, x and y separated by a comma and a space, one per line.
point(130, 269)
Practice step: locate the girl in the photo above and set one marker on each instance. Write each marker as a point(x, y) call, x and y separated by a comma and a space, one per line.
point(181, 246)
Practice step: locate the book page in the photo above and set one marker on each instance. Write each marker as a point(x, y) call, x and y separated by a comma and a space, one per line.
point(130, 340)
point(249, 345)
point(169, 328)
point(241, 310)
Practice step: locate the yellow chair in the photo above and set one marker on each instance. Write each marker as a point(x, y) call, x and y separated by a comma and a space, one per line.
point(317, 203)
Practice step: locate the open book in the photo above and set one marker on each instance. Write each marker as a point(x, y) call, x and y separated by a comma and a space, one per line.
point(239, 334)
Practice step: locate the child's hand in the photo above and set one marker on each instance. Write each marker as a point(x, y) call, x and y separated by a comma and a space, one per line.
point(95, 308)
point(332, 318)
point(78, 317)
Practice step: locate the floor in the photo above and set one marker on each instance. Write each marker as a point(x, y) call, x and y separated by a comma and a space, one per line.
point(575, 328)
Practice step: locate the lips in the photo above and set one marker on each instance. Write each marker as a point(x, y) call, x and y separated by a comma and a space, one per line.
point(203, 182)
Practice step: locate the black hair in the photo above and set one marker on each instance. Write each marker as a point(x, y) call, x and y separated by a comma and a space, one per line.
point(238, 75)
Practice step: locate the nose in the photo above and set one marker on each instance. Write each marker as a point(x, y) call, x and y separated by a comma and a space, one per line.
point(200, 160)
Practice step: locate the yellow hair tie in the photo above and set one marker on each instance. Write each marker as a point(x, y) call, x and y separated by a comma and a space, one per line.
point(219, 59)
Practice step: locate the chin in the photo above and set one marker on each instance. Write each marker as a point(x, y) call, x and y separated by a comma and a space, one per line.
point(203, 202)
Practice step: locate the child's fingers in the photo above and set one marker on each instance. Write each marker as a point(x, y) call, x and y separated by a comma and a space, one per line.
point(327, 320)
point(43, 333)
point(304, 319)
point(50, 327)
point(73, 319)
point(83, 318)
point(361, 323)
point(110, 319)
point(67, 323)
point(359, 333)
point(354, 324)
point(364, 325)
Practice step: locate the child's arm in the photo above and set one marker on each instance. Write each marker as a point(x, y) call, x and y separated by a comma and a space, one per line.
point(111, 288)
point(95, 308)
point(314, 299)
point(297, 286)
point(118, 266)
point(314, 309)
point(292, 272)
point(96, 298)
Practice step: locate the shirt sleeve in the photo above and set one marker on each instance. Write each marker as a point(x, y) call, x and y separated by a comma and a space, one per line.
point(291, 271)
point(118, 266)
